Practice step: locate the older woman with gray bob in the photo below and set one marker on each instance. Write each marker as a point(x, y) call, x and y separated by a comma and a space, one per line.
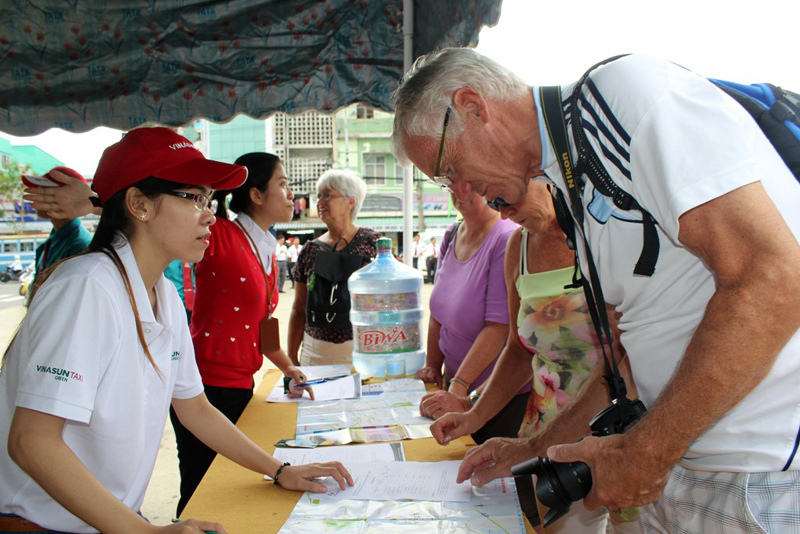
point(320, 318)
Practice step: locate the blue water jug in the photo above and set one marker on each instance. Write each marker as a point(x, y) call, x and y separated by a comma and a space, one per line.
point(386, 313)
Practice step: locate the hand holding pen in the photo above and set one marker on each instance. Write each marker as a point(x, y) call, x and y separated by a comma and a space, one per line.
point(297, 383)
point(321, 380)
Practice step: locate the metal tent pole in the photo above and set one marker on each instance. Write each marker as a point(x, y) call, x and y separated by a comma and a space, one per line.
point(408, 175)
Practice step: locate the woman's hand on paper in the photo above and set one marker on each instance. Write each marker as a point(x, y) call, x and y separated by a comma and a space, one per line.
point(431, 375)
point(192, 526)
point(453, 425)
point(438, 403)
point(306, 477)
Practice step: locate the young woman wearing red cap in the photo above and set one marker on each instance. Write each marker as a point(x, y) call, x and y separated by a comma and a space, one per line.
point(236, 289)
point(104, 349)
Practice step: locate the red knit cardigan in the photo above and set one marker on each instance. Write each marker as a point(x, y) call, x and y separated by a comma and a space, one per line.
point(230, 302)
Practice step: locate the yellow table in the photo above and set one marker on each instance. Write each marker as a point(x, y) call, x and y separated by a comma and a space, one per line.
point(244, 503)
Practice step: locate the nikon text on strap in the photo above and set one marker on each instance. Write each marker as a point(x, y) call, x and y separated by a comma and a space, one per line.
point(557, 130)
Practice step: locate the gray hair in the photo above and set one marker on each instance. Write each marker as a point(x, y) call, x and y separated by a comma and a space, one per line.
point(428, 86)
point(346, 182)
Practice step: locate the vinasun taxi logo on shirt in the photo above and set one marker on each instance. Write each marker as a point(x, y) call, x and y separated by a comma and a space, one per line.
point(62, 375)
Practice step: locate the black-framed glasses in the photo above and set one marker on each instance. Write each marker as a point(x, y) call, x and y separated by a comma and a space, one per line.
point(442, 180)
point(201, 202)
point(497, 203)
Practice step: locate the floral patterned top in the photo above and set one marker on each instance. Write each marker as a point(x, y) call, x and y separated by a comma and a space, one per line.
point(555, 325)
point(305, 266)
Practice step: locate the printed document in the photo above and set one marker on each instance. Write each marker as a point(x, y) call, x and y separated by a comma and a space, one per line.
point(393, 481)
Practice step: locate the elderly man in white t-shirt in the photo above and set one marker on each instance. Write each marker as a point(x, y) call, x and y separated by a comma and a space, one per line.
point(711, 337)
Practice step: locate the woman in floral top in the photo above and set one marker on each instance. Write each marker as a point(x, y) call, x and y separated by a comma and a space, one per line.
point(552, 341)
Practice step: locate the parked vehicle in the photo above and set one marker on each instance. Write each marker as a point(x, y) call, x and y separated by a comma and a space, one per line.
point(13, 271)
point(19, 245)
point(27, 279)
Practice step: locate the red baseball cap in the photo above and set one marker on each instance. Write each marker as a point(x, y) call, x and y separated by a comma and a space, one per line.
point(31, 180)
point(161, 153)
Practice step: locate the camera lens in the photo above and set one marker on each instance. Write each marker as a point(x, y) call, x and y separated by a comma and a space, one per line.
point(561, 484)
point(558, 485)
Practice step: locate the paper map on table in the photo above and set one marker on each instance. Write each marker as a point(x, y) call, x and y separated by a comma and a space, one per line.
point(493, 509)
point(386, 411)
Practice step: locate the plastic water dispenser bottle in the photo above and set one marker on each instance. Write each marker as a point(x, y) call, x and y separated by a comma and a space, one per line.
point(386, 313)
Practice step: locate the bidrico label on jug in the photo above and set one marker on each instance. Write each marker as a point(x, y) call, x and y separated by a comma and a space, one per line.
point(378, 339)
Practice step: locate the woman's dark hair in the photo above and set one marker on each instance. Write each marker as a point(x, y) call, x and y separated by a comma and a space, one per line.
point(115, 219)
point(260, 168)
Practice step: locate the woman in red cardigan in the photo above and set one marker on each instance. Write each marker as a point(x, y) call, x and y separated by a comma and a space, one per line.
point(236, 290)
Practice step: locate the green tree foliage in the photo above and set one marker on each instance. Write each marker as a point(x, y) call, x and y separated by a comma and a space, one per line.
point(11, 187)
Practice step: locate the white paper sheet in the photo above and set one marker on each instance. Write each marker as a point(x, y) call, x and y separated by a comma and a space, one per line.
point(392, 481)
point(325, 391)
point(352, 454)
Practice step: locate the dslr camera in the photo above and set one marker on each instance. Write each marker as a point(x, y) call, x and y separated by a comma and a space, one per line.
point(560, 484)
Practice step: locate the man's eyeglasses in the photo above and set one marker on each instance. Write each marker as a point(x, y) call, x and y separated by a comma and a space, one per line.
point(201, 202)
point(442, 180)
point(497, 203)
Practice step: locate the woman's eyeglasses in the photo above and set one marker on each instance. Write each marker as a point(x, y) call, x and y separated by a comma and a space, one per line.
point(201, 202)
point(327, 196)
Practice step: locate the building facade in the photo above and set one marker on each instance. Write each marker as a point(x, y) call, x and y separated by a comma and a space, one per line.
point(356, 138)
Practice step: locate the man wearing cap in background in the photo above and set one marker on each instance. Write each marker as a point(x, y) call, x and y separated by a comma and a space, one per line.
point(68, 236)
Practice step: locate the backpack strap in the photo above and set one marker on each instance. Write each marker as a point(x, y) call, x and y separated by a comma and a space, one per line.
point(448, 238)
point(777, 113)
point(590, 165)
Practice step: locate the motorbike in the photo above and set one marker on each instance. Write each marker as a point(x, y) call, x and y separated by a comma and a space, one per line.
point(12, 273)
point(26, 278)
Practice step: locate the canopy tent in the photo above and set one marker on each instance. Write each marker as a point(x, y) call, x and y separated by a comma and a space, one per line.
point(76, 65)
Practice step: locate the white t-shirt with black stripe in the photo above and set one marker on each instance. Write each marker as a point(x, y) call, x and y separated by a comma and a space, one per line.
point(675, 142)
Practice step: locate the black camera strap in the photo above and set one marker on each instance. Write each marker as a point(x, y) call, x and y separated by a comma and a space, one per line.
point(557, 130)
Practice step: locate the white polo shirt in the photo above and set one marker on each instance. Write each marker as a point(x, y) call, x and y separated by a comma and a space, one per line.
point(78, 356)
point(675, 142)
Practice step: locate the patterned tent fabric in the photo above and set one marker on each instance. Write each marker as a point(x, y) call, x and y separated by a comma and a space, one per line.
point(79, 64)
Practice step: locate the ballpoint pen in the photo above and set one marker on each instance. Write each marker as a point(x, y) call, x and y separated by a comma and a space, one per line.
point(321, 380)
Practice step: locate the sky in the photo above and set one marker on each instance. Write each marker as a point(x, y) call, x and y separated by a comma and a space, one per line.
point(548, 43)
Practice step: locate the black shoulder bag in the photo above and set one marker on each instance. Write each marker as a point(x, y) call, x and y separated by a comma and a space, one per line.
point(328, 303)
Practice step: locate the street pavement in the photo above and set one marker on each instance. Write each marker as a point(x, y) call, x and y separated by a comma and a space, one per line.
point(163, 491)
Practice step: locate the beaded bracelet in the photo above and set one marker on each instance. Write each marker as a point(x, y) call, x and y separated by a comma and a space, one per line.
point(278, 473)
point(460, 382)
